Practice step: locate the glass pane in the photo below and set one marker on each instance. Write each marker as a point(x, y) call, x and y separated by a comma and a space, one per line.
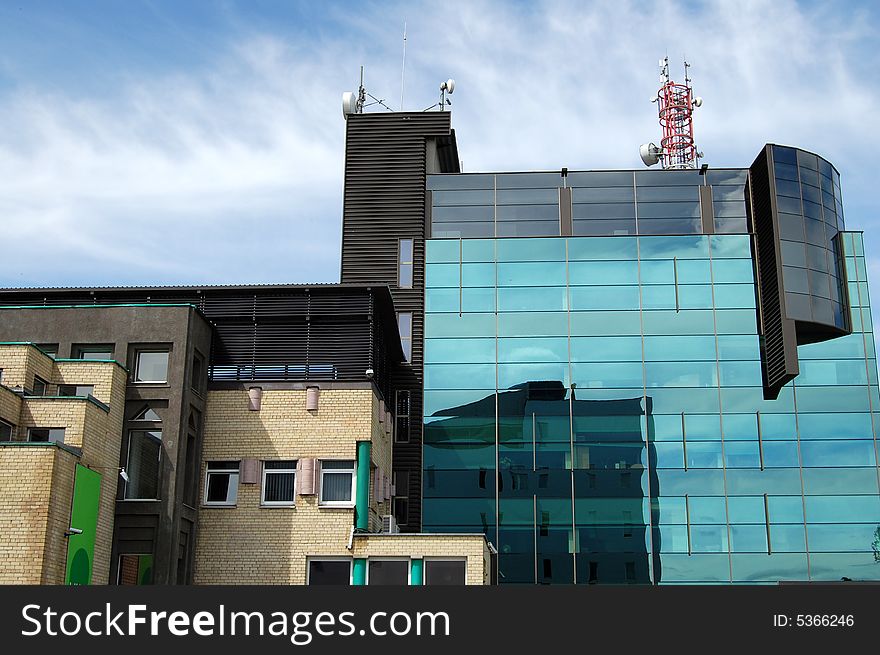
point(142, 467)
point(279, 487)
point(444, 572)
point(386, 572)
point(335, 487)
point(330, 572)
point(152, 367)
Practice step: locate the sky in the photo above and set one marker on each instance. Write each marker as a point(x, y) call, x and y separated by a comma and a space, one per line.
point(166, 142)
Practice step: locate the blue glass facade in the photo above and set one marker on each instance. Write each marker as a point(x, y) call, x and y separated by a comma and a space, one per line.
point(595, 406)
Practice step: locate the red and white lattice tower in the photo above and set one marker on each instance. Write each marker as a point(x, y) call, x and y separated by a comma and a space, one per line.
point(675, 108)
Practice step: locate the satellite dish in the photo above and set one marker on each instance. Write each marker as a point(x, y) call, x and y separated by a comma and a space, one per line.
point(698, 102)
point(649, 153)
point(450, 85)
point(349, 103)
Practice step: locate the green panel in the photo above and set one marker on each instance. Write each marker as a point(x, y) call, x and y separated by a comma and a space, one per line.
point(83, 516)
point(362, 500)
point(145, 569)
point(415, 572)
point(359, 572)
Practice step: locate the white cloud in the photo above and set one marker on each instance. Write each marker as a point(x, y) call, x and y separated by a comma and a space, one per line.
point(241, 164)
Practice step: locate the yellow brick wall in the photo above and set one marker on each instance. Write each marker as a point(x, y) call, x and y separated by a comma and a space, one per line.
point(36, 487)
point(88, 427)
point(250, 544)
point(10, 406)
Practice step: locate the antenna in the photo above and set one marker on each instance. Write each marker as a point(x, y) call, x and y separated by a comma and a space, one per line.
point(675, 109)
point(446, 87)
point(403, 66)
point(355, 104)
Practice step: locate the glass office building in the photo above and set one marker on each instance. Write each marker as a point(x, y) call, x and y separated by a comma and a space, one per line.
point(605, 390)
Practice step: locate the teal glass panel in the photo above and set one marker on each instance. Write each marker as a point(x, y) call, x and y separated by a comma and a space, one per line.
point(778, 426)
point(478, 250)
point(736, 321)
point(679, 348)
point(604, 297)
point(830, 399)
point(842, 509)
point(830, 481)
point(510, 375)
point(464, 351)
point(454, 376)
point(673, 539)
point(785, 509)
point(760, 567)
point(667, 401)
point(457, 428)
point(670, 510)
point(738, 347)
point(458, 457)
point(704, 455)
point(681, 247)
point(837, 538)
point(606, 349)
point(709, 539)
point(531, 274)
point(441, 250)
point(836, 426)
point(659, 297)
point(837, 453)
point(519, 299)
point(740, 374)
point(834, 566)
point(728, 271)
point(695, 296)
point(740, 426)
point(461, 511)
point(680, 323)
point(603, 272)
point(730, 245)
point(748, 539)
point(702, 427)
point(611, 323)
point(741, 454)
point(707, 510)
point(532, 349)
point(746, 509)
point(466, 325)
point(828, 372)
point(693, 271)
point(669, 454)
point(734, 296)
point(748, 399)
point(441, 275)
point(713, 568)
point(666, 427)
point(530, 250)
point(745, 482)
point(595, 248)
point(450, 402)
point(659, 271)
point(607, 375)
point(673, 374)
point(466, 300)
point(539, 324)
point(780, 454)
point(693, 481)
point(788, 538)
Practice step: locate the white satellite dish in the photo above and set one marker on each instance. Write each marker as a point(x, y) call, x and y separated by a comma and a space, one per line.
point(649, 153)
point(698, 102)
point(349, 103)
point(448, 85)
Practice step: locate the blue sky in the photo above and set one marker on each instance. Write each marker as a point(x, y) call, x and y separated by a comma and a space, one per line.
point(202, 142)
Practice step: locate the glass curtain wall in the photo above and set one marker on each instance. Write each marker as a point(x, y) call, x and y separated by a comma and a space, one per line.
point(595, 406)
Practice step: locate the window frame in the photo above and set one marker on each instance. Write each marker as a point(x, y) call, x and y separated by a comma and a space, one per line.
point(76, 388)
point(285, 471)
point(428, 560)
point(218, 471)
point(330, 558)
point(12, 429)
point(408, 561)
point(77, 351)
point(406, 342)
point(410, 264)
point(158, 465)
point(45, 390)
point(150, 350)
point(398, 416)
point(48, 438)
point(337, 503)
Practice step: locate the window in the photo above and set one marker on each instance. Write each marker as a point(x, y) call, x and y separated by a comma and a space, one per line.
point(404, 325)
point(401, 428)
point(79, 390)
point(147, 414)
point(53, 435)
point(221, 483)
point(7, 430)
point(388, 572)
point(197, 373)
point(337, 482)
point(50, 349)
point(400, 503)
point(330, 572)
point(405, 264)
point(143, 464)
point(135, 570)
point(41, 387)
point(444, 572)
point(279, 482)
point(151, 366)
point(92, 351)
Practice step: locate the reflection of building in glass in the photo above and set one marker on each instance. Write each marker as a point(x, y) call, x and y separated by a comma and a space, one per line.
point(572, 492)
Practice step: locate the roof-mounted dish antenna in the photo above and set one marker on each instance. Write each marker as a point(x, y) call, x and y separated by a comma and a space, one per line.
point(446, 88)
point(355, 104)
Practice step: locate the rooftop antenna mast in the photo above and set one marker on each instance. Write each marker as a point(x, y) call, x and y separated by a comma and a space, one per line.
point(403, 66)
point(675, 109)
point(355, 104)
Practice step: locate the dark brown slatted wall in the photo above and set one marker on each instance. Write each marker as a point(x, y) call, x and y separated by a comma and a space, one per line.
point(384, 201)
point(779, 347)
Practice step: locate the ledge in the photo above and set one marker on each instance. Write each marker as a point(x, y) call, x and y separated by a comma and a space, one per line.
point(42, 444)
point(91, 399)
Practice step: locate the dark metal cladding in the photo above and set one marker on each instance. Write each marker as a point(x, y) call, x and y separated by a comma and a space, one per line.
point(387, 159)
point(778, 337)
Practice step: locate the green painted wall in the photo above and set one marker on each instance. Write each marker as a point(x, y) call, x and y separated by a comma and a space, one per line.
point(83, 516)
